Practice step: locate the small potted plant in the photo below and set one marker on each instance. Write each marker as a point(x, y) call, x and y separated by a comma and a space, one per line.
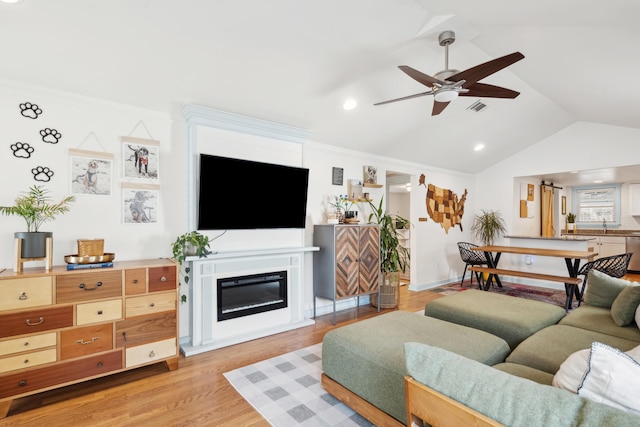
point(571, 219)
point(35, 207)
point(189, 244)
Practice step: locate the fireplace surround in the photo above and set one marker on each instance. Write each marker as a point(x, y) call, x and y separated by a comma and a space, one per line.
point(210, 328)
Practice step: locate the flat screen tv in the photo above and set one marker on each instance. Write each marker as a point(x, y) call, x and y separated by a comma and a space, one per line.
point(236, 194)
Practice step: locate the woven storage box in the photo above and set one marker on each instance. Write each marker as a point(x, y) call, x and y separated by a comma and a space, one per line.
point(389, 292)
point(90, 247)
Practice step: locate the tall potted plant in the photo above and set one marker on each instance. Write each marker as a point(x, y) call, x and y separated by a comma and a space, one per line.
point(35, 207)
point(488, 226)
point(394, 257)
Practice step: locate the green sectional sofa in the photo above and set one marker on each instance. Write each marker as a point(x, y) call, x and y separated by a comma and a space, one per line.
point(521, 345)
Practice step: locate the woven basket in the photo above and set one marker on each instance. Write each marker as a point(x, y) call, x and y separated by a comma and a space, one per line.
point(389, 292)
point(90, 247)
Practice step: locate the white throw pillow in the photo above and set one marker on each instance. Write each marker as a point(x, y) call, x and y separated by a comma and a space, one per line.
point(572, 370)
point(612, 378)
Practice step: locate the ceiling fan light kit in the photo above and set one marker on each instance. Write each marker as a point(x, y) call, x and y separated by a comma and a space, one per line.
point(447, 85)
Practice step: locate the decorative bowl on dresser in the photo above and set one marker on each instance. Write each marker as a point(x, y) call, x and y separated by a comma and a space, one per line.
point(61, 327)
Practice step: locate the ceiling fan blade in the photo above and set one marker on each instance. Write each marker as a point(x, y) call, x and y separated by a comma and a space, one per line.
point(438, 107)
point(479, 72)
point(404, 98)
point(484, 90)
point(421, 77)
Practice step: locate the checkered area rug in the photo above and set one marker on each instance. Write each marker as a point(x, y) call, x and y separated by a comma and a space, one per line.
point(286, 391)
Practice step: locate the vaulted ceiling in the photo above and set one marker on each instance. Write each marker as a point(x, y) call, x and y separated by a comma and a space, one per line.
point(295, 62)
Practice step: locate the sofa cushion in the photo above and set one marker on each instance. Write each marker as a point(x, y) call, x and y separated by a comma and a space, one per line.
point(522, 371)
point(599, 319)
point(367, 357)
point(612, 378)
point(508, 399)
point(624, 306)
point(512, 319)
point(547, 349)
point(603, 289)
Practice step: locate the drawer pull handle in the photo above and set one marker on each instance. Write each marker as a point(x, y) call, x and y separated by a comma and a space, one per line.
point(152, 354)
point(135, 281)
point(99, 365)
point(26, 361)
point(23, 296)
point(22, 383)
point(163, 279)
point(83, 286)
point(152, 304)
point(100, 312)
point(40, 322)
point(83, 342)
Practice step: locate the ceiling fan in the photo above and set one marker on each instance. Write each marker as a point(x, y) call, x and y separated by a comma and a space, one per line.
point(446, 85)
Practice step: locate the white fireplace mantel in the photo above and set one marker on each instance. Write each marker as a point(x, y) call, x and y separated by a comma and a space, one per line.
point(207, 333)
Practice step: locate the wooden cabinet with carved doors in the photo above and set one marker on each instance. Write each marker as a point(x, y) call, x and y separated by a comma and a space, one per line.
point(62, 327)
point(348, 262)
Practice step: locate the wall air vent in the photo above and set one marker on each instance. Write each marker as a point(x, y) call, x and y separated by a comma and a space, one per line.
point(477, 106)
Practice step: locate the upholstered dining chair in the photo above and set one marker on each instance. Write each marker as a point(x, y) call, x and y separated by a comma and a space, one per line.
point(614, 266)
point(470, 257)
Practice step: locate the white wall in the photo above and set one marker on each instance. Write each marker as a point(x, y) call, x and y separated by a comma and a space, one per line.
point(86, 124)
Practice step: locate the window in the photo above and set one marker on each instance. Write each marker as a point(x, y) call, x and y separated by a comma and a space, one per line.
point(597, 204)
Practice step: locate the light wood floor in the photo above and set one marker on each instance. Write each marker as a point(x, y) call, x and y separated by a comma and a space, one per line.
point(196, 394)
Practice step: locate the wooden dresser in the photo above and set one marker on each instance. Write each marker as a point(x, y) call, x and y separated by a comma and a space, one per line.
point(61, 327)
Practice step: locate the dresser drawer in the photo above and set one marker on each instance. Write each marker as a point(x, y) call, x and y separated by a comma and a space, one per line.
point(36, 320)
point(25, 293)
point(88, 286)
point(64, 372)
point(150, 304)
point(86, 340)
point(100, 311)
point(27, 360)
point(151, 352)
point(33, 342)
point(135, 281)
point(144, 329)
point(162, 278)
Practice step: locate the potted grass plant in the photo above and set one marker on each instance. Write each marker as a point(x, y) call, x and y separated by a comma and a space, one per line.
point(36, 207)
point(394, 257)
point(488, 226)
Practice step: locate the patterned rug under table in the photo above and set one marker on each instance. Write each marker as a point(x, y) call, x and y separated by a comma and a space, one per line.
point(286, 391)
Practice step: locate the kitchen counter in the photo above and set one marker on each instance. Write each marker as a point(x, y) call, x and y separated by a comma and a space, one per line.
point(597, 233)
point(576, 237)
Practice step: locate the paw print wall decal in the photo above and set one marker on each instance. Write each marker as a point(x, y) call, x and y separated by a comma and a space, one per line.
point(30, 110)
point(51, 136)
point(42, 174)
point(22, 150)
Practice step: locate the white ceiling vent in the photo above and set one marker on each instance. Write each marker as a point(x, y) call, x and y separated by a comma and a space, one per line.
point(477, 106)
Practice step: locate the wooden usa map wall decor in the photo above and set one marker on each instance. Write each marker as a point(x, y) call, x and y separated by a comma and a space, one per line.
point(443, 205)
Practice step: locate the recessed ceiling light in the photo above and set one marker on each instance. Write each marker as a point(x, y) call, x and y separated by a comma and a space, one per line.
point(478, 147)
point(349, 104)
point(597, 181)
point(11, 1)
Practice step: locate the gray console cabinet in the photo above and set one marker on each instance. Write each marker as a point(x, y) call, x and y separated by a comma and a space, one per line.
point(348, 262)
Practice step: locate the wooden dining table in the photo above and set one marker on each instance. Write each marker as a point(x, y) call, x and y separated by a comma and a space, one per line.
point(572, 260)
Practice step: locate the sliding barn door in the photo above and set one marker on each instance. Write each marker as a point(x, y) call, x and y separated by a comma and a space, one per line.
point(547, 212)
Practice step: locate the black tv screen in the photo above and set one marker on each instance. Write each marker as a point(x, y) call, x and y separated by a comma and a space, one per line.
point(239, 194)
